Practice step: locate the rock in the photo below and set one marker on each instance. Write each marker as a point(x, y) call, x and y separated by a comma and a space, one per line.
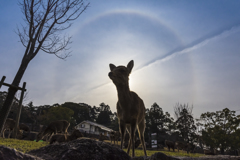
point(83, 149)
point(162, 156)
point(12, 154)
point(156, 156)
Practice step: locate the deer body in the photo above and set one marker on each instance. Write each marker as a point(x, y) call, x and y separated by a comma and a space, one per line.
point(130, 107)
point(62, 138)
point(170, 144)
point(9, 125)
point(24, 127)
point(114, 136)
point(53, 128)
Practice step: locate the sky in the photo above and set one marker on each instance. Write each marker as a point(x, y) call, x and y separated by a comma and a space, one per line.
point(184, 52)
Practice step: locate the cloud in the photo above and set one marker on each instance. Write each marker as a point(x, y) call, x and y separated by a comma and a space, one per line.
point(192, 46)
point(176, 52)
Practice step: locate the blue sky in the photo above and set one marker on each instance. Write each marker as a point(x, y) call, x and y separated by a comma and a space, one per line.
point(184, 52)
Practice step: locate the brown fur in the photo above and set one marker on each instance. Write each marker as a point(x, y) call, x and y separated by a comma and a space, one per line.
point(130, 107)
point(10, 125)
point(62, 138)
point(101, 137)
point(184, 146)
point(180, 145)
point(54, 127)
point(114, 136)
point(170, 145)
point(24, 127)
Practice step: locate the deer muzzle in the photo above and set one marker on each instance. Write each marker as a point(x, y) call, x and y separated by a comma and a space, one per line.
point(110, 74)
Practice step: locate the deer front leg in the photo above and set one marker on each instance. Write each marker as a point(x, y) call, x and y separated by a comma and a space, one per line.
point(3, 133)
point(122, 128)
point(141, 129)
point(9, 133)
point(133, 130)
point(129, 141)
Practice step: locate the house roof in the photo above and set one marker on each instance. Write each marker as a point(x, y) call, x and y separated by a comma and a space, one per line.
point(97, 125)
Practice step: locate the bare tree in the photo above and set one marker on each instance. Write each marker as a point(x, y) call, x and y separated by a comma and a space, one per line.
point(44, 19)
point(185, 122)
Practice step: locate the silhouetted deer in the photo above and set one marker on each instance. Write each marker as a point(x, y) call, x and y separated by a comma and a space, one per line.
point(54, 127)
point(10, 125)
point(61, 138)
point(130, 107)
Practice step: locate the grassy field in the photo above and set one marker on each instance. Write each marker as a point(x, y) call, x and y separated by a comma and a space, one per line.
point(25, 146)
point(21, 145)
point(139, 152)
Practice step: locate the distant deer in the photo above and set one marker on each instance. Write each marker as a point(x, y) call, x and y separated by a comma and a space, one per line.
point(184, 146)
point(130, 107)
point(10, 125)
point(170, 144)
point(101, 137)
point(62, 138)
point(24, 127)
point(114, 136)
point(54, 127)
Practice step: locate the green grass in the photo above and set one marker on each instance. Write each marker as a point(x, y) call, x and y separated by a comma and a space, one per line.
point(139, 152)
point(26, 146)
point(21, 145)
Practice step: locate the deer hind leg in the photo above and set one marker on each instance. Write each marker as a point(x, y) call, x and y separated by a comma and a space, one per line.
point(48, 136)
point(129, 141)
point(133, 130)
point(3, 133)
point(9, 133)
point(141, 129)
point(132, 137)
point(66, 132)
point(116, 138)
point(122, 128)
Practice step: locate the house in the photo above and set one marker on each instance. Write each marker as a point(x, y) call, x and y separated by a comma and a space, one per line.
point(93, 128)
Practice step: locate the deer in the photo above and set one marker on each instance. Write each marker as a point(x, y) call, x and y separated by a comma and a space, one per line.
point(114, 136)
point(53, 128)
point(184, 146)
point(10, 125)
point(24, 127)
point(170, 144)
point(101, 137)
point(62, 138)
point(130, 107)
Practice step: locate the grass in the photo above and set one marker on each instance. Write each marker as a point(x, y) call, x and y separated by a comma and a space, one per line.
point(26, 146)
point(21, 145)
point(139, 152)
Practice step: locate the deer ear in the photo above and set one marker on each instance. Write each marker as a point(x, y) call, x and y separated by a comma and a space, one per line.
point(112, 66)
point(130, 66)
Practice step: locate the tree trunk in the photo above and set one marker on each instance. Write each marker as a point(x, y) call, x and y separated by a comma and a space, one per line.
point(11, 93)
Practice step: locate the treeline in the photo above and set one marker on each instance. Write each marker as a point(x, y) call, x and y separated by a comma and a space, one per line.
point(214, 130)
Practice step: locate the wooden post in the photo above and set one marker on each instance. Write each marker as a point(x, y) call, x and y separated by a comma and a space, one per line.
point(19, 111)
point(2, 81)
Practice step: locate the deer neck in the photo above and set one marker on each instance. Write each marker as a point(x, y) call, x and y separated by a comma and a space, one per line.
point(123, 93)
